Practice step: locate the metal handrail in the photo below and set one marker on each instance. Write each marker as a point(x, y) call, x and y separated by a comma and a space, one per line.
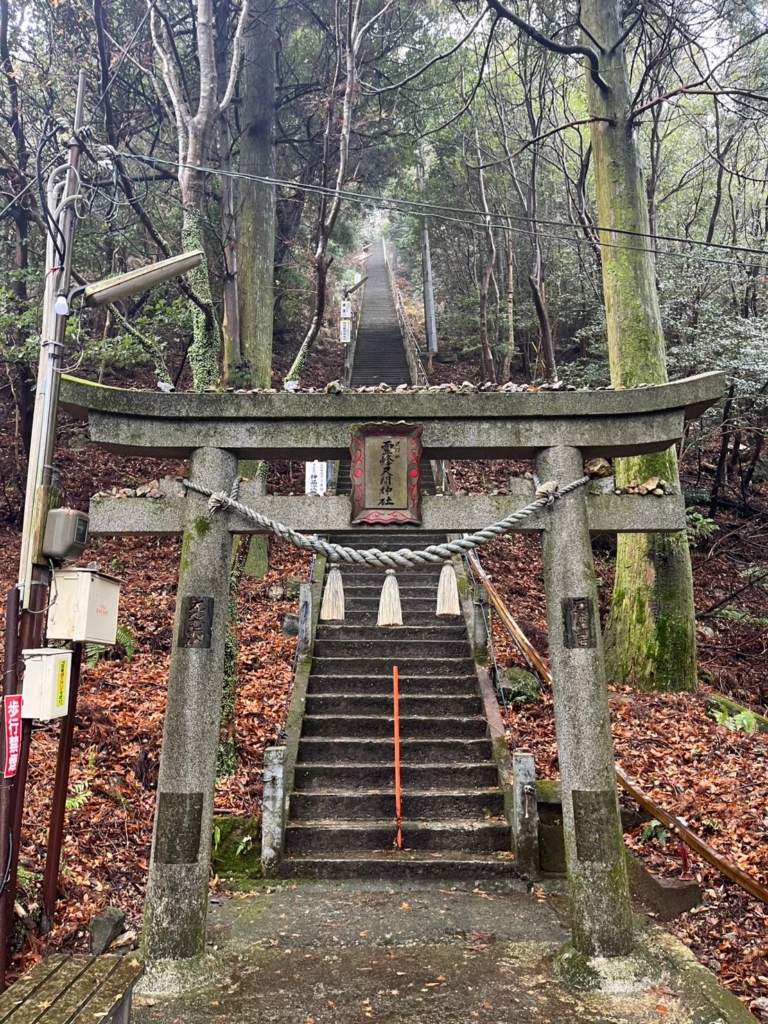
point(407, 331)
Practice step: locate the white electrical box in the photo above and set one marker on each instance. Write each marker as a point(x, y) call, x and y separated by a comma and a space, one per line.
point(45, 690)
point(83, 606)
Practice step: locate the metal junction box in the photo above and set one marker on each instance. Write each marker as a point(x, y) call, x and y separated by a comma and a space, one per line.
point(83, 606)
point(66, 534)
point(45, 690)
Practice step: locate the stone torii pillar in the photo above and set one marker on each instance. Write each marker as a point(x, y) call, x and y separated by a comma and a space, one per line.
point(601, 913)
point(176, 904)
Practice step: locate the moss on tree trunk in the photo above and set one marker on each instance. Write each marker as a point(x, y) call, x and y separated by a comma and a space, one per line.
point(650, 638)
point(206, 334)
point(226, 759)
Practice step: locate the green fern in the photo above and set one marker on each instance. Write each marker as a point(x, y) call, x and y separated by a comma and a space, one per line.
point(79, 798)
point(125, 638)
point(698, 527)
point(655, 830)
point(245, 844)
point(744, 721)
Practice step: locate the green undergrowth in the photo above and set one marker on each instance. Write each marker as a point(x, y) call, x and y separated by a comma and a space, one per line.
point(236, 849)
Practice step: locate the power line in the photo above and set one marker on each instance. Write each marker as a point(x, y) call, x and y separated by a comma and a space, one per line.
point(364, 197)
point(472, 218)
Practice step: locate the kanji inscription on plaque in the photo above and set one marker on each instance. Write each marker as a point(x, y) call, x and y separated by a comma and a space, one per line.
point(386, 473)
point(578, 622)
point(196, 622)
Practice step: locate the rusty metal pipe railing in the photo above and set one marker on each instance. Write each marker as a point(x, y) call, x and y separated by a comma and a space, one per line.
point(696, 843)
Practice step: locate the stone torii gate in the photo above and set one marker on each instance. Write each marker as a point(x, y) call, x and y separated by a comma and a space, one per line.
point(216, 430)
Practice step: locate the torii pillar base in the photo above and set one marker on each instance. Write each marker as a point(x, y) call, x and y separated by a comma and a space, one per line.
point(176, 904)
point(601, 915)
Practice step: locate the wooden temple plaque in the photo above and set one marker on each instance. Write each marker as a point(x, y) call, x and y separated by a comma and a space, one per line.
point(386, 473)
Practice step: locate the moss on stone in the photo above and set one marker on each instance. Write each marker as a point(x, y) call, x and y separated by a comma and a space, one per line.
point(575, 970)
point(548, 791)
point(236, 848)
point(202, 526)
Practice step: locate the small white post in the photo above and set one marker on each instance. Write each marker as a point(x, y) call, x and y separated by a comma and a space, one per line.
point(273, 808)
point(526, 814)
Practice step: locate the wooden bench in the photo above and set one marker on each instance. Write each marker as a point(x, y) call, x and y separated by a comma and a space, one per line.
point(73, 990)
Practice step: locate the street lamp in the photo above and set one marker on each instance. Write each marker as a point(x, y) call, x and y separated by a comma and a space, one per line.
point(112, 289)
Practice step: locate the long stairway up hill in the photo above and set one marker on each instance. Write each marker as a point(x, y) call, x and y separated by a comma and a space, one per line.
point(342, 809)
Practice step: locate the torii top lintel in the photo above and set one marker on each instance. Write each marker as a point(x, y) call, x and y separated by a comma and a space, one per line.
point(488, 425)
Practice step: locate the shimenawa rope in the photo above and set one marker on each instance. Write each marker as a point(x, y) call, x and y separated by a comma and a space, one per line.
point(546, 495)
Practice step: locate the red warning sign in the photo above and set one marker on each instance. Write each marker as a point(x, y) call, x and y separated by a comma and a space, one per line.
point(12, 707)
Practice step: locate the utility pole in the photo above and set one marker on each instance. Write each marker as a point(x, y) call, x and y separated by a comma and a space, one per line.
point(42, 478)
point(41, 494)
point(430, 322)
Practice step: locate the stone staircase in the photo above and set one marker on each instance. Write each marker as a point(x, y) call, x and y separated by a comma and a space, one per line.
point(342, 808)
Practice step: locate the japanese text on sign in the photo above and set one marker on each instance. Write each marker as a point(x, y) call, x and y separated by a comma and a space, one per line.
point(386, 484)
point(12, 708)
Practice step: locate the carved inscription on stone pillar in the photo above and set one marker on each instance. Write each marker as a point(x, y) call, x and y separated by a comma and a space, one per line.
point(594, 815)
point(578, 622)
point(196, 622)
point(179, 820)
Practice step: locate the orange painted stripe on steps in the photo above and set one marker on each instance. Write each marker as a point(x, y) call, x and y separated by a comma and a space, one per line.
point(398, 790)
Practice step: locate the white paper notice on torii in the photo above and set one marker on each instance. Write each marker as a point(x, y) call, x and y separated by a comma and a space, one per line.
point(316, 479)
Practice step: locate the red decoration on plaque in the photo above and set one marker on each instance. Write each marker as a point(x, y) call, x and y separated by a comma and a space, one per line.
point(386, 473)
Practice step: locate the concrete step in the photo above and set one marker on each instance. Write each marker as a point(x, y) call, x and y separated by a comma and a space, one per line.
point(415, 610)
point(372, 805)
point(365, 777)
point(429, 571)
point(382, 666)
point(382, 727)
point(415, 613)
point(353, 632)
point(369, 576)
point(416, 588)
point(321, 750)
point(390, 646)
point(335, 836)
point(457, 685)
point(401, 865)
point(381, 704)
point(387, 542)
point(399, 537)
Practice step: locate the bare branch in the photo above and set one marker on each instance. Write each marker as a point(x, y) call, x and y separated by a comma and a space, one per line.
point(237, 53)
point(571, 50)
point(429, 64)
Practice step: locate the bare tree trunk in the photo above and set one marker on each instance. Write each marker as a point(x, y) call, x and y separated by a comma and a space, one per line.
point(506, 366)
point(489, 369)
point(650, 637)
point(257, 200)
point(233, 357)
point(348, 47)
point(195, 133)
point(257, 230)
point(430, 323)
